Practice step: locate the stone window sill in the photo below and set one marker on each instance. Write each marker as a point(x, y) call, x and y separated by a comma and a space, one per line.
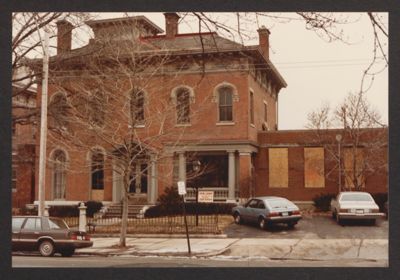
point(225, 123)
point(183, 125)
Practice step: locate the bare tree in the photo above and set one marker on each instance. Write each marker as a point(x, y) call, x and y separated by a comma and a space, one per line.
point(26, 44)
point(111, 100)
point(363, 138)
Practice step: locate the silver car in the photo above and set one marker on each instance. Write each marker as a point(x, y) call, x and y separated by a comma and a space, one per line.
point(354, 205)
point(267, 210)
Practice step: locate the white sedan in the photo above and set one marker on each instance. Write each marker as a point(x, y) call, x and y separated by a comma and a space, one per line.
point(354, 205)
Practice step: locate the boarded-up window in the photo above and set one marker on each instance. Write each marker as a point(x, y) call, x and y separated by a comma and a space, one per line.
point(278, 168)
point(314, 176)
point(353, 168)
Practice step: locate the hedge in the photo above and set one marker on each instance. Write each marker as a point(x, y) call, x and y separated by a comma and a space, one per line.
point(322, 202)
point(191, 208)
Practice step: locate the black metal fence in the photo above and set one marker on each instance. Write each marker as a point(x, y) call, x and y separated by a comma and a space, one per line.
point(167, 225)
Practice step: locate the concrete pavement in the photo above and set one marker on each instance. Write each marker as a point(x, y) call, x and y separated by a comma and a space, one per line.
point(251, 248)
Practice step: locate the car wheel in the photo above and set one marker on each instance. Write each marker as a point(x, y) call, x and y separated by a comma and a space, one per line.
point(338, 220)
point(238, 218)
point(291, 225)
point(261, 223)
point(46, 248)
point(333, 214)
point(67, 252)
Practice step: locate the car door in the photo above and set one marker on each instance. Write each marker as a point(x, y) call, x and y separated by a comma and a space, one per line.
point(17, 223)
point(30, 233)
point(252, 210)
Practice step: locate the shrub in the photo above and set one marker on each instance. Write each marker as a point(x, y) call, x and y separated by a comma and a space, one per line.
point(322, 202)
point(73, 210)
point(380, 199)
point(93, 207)
point(191, 208)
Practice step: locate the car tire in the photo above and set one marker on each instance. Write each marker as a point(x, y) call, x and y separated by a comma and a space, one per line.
point(333, 214)
point(262, 223)
point(291, 225)
point(338, 219)
point(237, 218)
point(67, 252)
point(46, 248)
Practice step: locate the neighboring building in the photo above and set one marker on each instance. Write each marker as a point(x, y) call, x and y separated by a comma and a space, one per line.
point(217, 99)
point(23, 131)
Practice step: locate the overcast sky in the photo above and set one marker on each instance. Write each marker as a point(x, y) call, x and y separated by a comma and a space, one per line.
point(316, 71)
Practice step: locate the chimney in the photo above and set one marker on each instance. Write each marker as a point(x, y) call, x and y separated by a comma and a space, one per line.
point(64, 36)
point(263, 35)
point(171, 24)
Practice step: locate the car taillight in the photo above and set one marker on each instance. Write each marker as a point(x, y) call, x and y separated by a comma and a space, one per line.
point(273, 214)
point(375, 210)
point(296, 212)
point(343, 210)
point(87, 237)
point(74, 236)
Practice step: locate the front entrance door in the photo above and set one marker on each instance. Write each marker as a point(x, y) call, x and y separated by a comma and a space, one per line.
point(139, 179)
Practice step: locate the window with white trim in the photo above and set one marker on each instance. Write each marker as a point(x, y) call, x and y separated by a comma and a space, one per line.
point(225, 104)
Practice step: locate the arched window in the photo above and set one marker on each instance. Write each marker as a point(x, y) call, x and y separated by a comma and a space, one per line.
point(137, 106)
point(58, 111)
point(182, 106)
point(225, 95)
point(97, 170)
point(96, 108)
point(59, 166)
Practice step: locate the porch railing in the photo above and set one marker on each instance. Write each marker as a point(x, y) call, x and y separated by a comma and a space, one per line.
point(220, 194)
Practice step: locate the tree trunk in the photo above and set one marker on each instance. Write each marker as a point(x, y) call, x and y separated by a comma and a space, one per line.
point(124, 220)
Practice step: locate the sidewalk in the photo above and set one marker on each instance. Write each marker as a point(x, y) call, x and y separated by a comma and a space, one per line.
point(236, 248)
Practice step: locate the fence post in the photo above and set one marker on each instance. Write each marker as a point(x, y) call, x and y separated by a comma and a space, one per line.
point(82, 217)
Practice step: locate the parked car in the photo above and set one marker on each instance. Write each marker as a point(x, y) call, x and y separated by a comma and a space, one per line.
point(267, 210)
point(47, 235)
point(354, 205)
point(386, 209)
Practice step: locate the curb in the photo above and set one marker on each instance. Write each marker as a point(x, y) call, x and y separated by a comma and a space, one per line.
point(101, 235)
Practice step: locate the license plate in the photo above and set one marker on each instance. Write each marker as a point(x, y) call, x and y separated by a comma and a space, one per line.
point(285, 213)
point(359, 211)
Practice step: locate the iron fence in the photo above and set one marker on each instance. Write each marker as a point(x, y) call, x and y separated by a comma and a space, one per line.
point(167, 224)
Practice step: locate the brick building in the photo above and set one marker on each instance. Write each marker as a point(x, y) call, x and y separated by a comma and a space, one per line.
point(199, 98)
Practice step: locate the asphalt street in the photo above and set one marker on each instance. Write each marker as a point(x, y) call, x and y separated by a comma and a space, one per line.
point(95, 261)
point(313, 227)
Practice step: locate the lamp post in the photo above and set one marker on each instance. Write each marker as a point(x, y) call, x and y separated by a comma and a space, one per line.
point(339, 139)
point(196, 168)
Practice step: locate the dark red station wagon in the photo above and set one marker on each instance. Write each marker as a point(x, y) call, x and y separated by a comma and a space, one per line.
point(47, 235)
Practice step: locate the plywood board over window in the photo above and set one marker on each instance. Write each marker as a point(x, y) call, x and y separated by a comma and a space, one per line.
point(278, 168)
point(314, 176)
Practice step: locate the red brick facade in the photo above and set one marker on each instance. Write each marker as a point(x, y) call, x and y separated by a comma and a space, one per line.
point(243, 142)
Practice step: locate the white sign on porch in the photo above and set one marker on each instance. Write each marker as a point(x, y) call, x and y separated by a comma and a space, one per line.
point(181, 188)
point(206, 196)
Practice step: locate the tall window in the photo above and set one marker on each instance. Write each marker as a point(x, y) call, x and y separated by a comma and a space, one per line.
point(225, 104)
point(137, 106)
point(265, 112)
point(59, 164)
point(14, 180)
point(183, 106)
point(58, 111)
point(97, 171)
point(96, 108)
point(251, 107)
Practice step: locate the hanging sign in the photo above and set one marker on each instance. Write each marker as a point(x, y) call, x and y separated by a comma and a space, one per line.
point(206, 196)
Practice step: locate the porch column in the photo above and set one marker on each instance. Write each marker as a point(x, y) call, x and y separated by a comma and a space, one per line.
point(245, 190)
point(152, 191)
point(231, 175)
point(138, 177)
point(182, 166)
point(116, 183)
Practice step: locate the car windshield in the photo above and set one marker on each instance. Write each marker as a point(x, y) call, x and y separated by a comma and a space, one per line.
point(57, 224)
point(279, 203)
point(356, 197)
